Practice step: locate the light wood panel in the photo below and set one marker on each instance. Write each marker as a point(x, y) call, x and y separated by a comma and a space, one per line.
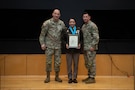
point(35, 64)
point(2, 65)
point(63, 67)
point(81, 67)
point(124, 63)
point(103, 65)
point(36, 83)
point(15, 65)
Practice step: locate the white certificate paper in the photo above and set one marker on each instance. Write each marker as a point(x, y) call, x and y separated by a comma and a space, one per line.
point(73, 41)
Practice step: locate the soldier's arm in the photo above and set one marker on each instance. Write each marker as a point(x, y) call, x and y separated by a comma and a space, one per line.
point(63, 25)
point(95, 34)
point(44, 30)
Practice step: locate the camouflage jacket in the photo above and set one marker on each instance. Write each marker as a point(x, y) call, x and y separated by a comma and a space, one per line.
point(90, 36)
point(51, 32)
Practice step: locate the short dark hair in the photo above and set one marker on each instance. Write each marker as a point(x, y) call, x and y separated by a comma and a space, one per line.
point(72, 18)
point(86, 13)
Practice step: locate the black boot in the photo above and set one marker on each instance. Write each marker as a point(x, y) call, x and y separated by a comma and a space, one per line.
point(70, 81)
point(47, 78)
point(75, 81)
point(57, 77)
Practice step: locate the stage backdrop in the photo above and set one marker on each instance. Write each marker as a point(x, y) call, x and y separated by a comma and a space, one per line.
point(21, 21)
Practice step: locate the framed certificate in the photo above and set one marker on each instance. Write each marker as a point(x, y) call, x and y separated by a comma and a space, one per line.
point(73, 41)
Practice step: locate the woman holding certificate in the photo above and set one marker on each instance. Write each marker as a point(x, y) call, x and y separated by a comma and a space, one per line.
point(73, 40)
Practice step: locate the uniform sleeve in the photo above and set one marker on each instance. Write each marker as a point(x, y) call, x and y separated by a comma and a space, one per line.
point(63, 25)
point(95, 34)
point(44, 30)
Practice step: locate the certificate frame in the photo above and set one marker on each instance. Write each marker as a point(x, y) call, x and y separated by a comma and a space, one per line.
point(73, 41)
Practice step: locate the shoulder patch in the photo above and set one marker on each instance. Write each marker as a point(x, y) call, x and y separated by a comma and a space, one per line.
point(46, 22)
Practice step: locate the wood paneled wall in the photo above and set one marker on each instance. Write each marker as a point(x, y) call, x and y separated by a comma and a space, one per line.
point(34, 64)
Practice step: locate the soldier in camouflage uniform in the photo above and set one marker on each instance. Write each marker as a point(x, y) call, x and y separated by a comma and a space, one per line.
point(91, 39)
point(50, 40)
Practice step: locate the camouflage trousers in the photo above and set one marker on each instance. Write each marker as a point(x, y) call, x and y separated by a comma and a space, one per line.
point(90, 62)
point(57, 59)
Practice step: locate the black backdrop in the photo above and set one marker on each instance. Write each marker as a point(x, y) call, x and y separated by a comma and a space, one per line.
point(21, 21)
point(25, 24)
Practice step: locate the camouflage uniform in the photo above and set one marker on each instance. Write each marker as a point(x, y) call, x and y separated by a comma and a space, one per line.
point(90, 39)
point(51, 36)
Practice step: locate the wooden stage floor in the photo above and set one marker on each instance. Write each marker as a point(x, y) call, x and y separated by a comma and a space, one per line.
point(36, 83)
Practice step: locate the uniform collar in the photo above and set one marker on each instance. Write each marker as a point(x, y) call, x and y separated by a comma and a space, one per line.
point(88, 22)
point(54, 21)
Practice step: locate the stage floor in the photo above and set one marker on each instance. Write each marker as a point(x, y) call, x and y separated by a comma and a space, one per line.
point(37, 83)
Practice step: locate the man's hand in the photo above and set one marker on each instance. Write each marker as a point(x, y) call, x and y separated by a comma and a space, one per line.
point(43, 47)
point(92, 49)
point(67, 46)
